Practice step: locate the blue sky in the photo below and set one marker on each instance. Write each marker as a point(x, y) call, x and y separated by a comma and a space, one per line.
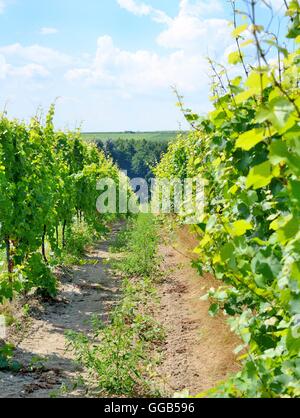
point(110, 62)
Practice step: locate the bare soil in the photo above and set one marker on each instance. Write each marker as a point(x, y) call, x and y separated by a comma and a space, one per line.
point(89, 290)
point(198, 352)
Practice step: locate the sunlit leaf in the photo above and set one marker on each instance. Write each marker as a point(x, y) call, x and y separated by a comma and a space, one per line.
point(251, 138)
point(234, 58)
point(239, 228)
point(239, 30)
point(260, 176)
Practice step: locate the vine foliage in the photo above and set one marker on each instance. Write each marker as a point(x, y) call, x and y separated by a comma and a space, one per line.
point(248, 152)
point(47, 184)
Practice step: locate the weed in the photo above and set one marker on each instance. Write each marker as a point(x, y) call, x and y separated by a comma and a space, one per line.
point(6, 358)
point(118, 354)
point(78, 238)
point(120, 242)
point(37, 363)
point(141, 247)
point(26, 310)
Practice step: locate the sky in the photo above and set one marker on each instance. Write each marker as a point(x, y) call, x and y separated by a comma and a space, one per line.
point(111, 64)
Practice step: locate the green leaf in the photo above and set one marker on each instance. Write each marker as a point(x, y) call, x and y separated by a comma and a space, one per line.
point(293, 340)
point(234, 58)
point(214, 309)
point(251, 138)
point(239, 228)
point(236, 81)
point(260, 281)
point(295, 304)
point(239, 30)
point(278, 152)
point(281, 109)
point(259, 176)
point(263, 115)
point(280, 222)
point(247, 42)
point(227, 252)
point(258, 82)
point(244, 96)
point(295, 189)
point(288, 231)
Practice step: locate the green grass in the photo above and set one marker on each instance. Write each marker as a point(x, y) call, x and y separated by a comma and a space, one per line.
point(167, 136)
point(120, 354)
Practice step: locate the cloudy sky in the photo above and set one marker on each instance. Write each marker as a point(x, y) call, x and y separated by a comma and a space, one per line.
point(111, 62)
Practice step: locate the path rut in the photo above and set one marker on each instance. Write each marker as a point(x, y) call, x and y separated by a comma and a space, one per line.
point(198, 351)
point(89, 290)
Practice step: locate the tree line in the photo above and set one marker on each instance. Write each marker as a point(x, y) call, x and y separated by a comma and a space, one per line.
point(136, 157)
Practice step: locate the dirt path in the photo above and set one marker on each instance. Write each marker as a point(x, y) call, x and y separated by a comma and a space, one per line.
point(199, 349)
point(90, 290)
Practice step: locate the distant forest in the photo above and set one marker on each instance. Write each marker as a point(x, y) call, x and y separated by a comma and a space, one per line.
point(136, 156)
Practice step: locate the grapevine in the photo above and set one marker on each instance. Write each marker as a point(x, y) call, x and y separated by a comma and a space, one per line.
point(47, 179)
point(248, 152)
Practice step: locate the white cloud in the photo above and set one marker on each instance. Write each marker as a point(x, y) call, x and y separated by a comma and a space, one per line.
point(36, 54)
point(189, 32)
point(142, 9)
point(48, 31)
point(199, 7)
point(191, 28)
point(3, 67)
point(139, 9)
point(188, 38)
point(29, 71)
point(2, 6)
point(141, 71)
point(25, 71)
point(186, 8)
point(30, 62)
